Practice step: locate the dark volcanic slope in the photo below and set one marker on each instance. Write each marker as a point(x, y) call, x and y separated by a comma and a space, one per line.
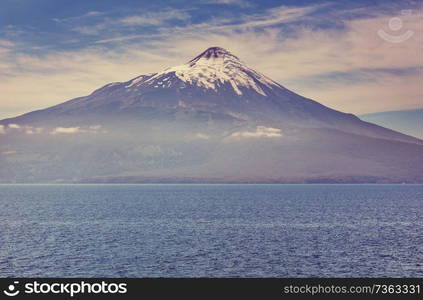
point(215, 84)
point(211, 119)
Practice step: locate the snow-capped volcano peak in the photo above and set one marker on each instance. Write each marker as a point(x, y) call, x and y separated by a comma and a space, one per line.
point(214, 68)
point(215, 53)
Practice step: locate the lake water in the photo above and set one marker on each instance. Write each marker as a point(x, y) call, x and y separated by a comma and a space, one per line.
point(211, 230)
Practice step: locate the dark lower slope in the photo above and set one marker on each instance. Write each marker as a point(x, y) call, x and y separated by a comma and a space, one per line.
point(167, 153)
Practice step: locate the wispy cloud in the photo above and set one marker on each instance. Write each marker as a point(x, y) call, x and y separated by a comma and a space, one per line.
point(88, 14)
point(76, 129)
point(92, 29)
point(6, 43)
point(66, 130)
point(202, 136)
point(155, 18)
point(9, 152)
point(259, 132)
point(20, 128)
point(240, 3)
point(32, 130)
point(143, 19)
point(276, 16)
point(124, 38)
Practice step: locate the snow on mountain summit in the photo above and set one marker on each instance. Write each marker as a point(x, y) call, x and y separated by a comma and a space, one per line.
point(210, 70)
point(213, 53)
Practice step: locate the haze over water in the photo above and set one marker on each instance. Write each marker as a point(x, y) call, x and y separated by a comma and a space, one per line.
point(211, 230)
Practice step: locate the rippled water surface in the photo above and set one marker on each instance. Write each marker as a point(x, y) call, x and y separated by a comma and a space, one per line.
point(211, 230)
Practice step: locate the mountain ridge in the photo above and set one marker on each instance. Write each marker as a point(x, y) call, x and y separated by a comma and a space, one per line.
point(210, 118)
point(215, 81)
point(407, 121)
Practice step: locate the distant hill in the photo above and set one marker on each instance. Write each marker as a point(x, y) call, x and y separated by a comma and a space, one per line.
point(405, 121)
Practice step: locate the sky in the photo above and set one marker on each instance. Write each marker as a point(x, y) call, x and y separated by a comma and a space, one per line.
point(358, 56)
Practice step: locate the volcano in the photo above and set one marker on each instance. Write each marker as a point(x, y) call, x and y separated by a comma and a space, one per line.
point(212, 119)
